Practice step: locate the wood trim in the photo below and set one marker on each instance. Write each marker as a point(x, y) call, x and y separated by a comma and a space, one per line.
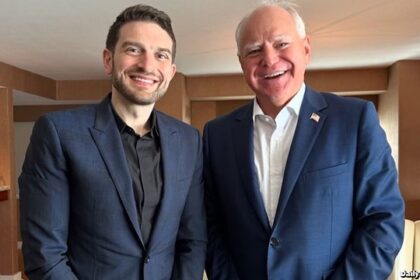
point(345, 80)
point(30, 113)
point(360, 81)
point(18, 79)
point(4, 188)
point(217, 86)
point(83, 90)
point(16, 276)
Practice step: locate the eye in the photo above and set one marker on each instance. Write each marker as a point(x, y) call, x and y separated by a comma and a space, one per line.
point(252, 52)
point(281, 45)
point(163, 55)
point(133, 50)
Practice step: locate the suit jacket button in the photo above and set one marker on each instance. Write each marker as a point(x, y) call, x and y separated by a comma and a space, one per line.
point(274, 242)
point(147, 259)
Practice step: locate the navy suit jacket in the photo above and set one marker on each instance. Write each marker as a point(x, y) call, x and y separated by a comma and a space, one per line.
point(340, 214)
point(78, 212)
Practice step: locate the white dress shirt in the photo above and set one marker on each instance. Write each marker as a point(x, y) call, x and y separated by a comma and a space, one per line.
point(272, 141)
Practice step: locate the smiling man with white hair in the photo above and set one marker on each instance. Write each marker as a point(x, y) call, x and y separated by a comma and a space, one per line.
point(299, 184)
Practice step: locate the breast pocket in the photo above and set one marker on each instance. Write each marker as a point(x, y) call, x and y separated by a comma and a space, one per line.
point(327, 172)
point(329, 179)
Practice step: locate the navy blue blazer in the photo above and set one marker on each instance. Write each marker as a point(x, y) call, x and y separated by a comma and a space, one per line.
point(78, 212)
point(340, 214)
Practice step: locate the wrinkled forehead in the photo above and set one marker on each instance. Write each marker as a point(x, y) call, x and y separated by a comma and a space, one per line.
point(265, 23)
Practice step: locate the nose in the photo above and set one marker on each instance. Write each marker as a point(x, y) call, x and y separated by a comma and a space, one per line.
point(270, 56)
point(147, 62)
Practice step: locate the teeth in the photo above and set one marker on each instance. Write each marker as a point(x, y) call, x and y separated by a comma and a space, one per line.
point(275, 74)
point(148, 81)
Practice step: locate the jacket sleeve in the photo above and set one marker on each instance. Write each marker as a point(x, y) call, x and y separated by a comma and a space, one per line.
point(378, 207)
point(219, 265)
point(44, 205)
point(191, 243)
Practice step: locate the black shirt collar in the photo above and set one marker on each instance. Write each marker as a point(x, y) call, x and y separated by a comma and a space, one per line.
point(123, 127)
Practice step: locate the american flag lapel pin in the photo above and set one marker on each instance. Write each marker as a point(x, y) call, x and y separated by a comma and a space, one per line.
point(315, 117)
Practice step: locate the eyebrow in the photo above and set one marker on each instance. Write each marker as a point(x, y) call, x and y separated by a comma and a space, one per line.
point(277, 38)
point(281, 37)
point(249, 47)
point(134, 44)
point(252, 46)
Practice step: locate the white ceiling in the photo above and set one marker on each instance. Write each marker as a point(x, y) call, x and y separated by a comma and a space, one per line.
point(64, 39)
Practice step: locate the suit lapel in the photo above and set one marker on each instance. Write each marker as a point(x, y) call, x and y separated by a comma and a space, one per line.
point(170, 143)
point(244, 152)
point(107, 138)
point(307, 131)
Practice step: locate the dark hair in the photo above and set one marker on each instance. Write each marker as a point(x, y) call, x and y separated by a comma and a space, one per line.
point(140, 13)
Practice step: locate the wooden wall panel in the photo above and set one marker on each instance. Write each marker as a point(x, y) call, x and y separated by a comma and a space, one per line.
point(83, 90)
point(217, 86)
point(173, 103)
point(409, 128)
point(8, 215)
point(354, 80)
point(18, 79)
point(30, 113)
point(374, 98)
point(348, 80)
point(202, 112)
point(175, 99)
point(227, 106)
point(412, 209)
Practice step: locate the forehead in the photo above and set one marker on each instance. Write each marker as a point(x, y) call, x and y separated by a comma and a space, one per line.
point(267, 22)
point(144, 32)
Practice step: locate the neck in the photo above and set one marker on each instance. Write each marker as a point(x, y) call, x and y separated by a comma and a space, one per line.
point(269, 108)
point(135, 116)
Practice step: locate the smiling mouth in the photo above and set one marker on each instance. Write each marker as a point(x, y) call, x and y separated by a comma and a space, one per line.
point(143, 79)
point(274, 75)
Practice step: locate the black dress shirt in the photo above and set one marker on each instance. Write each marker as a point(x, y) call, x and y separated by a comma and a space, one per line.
point(144, 162)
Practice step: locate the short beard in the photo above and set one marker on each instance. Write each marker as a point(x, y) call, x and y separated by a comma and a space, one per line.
point(132, 96)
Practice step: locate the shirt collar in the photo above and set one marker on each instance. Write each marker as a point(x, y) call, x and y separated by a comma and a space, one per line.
point(293, 105)
point(122, 126)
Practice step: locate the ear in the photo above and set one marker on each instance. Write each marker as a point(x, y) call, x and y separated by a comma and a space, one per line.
point(307, 49)
point(107, 60)
point(240, 61)
point(173, 66)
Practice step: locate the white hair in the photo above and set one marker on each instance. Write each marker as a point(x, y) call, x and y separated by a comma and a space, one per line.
point(287, 5)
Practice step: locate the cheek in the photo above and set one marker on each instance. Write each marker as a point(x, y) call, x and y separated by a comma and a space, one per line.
point(249, 70)
point(125, 63)
point(299, 57)
point(165, 69)
point(125, 66)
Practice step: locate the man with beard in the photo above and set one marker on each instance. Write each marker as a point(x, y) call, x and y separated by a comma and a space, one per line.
point(114, 190)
